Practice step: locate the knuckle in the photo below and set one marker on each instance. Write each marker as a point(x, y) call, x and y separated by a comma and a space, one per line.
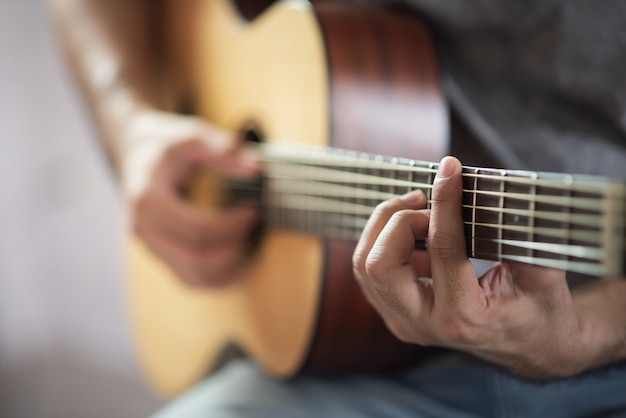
point(442, 246)
point(401, 217)
point(358, 265)
point(459, 332)
point(381, 209)
point(443, 190)
point(387, 208)
point(373, 266)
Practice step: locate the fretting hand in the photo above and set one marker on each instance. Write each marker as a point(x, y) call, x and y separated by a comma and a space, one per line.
point(519, 316)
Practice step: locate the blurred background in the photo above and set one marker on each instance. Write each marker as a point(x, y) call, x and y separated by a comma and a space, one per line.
point(65, 338)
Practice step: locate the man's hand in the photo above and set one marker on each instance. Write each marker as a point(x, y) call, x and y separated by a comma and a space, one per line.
point(515, 315)
point(203, 247)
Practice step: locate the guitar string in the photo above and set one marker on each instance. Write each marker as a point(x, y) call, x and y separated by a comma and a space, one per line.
point(356, 224)
point(303, 186)
point(582, 251)
point(588, 260)
point(331, 175)
point(333, 206)
point(598, 187)
point(313, 203)
point(351, 160)
point(595, 264)
point(306, 189)
point(329, 206)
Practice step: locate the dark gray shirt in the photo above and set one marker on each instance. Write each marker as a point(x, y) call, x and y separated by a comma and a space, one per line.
point(541, 82)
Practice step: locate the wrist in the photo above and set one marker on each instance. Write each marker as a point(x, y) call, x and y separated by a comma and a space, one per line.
point(601, 307)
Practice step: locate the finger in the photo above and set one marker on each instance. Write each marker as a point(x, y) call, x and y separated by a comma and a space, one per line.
point(377, 221)
point(163, 205)
point(196, 266)
point(395, 244)
point(392, 276)
point(446, 238)
point(193, 226)
point(184, 160)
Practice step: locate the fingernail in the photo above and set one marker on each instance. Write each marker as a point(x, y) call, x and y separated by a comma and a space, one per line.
point(447, 167)
point(413, 198)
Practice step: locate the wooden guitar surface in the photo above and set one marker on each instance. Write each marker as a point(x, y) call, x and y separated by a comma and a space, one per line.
point(331, 75)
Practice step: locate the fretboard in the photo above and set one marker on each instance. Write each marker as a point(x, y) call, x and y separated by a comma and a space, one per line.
point(564, 221)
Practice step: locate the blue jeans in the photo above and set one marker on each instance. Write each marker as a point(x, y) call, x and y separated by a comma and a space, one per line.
point(449, 390)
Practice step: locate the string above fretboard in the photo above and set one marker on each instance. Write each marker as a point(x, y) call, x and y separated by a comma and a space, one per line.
point(571, 222)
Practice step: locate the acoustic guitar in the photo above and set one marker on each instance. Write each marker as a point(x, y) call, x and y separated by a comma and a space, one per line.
point(329, 90)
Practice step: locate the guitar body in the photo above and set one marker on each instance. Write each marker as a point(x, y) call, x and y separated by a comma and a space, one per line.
point(329, 75)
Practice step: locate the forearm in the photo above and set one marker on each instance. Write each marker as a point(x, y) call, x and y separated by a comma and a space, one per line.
point(110, 46)
point(601, 307)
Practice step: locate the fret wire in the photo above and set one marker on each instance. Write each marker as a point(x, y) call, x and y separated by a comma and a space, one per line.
point(393, 190)
point(500, 217)
point(568, 212)
point(411, 176)
point(475, 188)
point(313, 214)
point(363, 193)
point(532, 206)
point(614, 231)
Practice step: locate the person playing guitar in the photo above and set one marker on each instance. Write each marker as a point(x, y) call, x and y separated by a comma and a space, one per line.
point(538, 86)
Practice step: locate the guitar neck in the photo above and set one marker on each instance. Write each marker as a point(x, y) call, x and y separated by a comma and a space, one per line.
point(569, 222)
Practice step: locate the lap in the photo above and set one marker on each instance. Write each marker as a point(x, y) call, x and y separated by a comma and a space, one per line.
point(455, 390)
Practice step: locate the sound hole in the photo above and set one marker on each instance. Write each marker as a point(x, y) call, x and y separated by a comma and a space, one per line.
point(252, 133)
point(253, 191)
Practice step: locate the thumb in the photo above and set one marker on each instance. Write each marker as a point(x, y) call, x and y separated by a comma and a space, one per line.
point(446, 236)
